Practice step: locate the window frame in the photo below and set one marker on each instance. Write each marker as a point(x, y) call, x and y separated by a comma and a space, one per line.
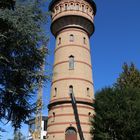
point(83, 8)
point(77, 6)
point(90, 116)
point(55, 92)
point(61, 7)
point(84, 40)
point(59, 40)
point(53, 117)
point(71, 39)
point(88, 91)
point(66, 6)
point(71, 62)
point(70, 89)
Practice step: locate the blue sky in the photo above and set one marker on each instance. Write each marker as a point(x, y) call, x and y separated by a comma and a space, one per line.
point(116, 40)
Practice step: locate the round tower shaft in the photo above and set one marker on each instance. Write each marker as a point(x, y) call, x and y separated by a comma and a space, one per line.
point(72, 25)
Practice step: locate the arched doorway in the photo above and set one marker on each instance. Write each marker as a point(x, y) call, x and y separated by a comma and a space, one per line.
point(71, 134)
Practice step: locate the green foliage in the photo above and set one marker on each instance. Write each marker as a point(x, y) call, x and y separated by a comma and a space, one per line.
point(130, 77)
point(118, 110)
point(18, 136)
point(7, 4)
point(22, 52)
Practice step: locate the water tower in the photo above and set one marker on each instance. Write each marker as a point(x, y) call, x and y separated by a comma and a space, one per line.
point(72, 93)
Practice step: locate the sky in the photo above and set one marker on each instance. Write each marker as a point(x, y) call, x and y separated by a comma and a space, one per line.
point(116, 40)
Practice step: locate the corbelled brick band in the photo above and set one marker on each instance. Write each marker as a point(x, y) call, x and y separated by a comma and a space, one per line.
point(70, 106)
point(64, 123)
point(60, 115)
point(73, 29)
point(57, 132)
point(68, 98)
point(62, 62)
point(73, 45)
point(78, 79)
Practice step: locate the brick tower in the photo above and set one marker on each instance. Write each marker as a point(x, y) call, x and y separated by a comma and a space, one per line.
point(72, 93)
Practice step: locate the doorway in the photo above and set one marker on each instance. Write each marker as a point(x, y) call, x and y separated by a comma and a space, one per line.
point(71, 134)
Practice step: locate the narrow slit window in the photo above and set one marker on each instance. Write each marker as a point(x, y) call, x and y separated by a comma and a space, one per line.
point(88, 92)
point(89, 114)
point(53, 119)
point(71, 38)
point(59, 41)
point(71, 62)
point(84, 40)
point(70, 89)
point(55, 92)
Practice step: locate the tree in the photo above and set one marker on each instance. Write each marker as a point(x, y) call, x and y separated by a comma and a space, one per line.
point(22, 53)
point(1, 130)
point(18, 136)
point(7, 4)
point(118, 111)
point(130, 77)
point(102, 124)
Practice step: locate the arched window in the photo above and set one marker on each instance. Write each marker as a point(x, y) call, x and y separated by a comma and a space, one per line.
point(55, 92)
point(71, 38)
point(83, 8)
point(71, 134)
point(84, 40)
point(88, 93)
point(71, 62)
point(71, 6)
point(70, 89)
point(59, 40)
point(66, 7)
point(89, 114)
point(77, 6)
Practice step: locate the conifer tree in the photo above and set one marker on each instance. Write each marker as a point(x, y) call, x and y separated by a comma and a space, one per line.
point(130, 77)
point(23, 45)
point(118, 108)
